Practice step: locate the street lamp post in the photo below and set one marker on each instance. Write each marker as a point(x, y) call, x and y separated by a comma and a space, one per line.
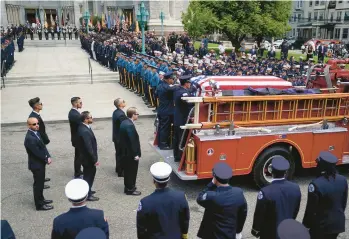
point(86, 18)
point(142, 18)
point(162, 17)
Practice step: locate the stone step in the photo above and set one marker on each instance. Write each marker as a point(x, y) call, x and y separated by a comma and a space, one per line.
point(50, 43)
point(71, 78)
point(42, 82)
point(63, 76)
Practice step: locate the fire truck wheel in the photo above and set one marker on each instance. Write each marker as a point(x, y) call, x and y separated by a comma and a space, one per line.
point(262, 167)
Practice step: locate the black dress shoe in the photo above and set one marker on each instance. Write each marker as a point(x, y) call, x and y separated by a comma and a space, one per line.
point(46, 186)
point(47, 201)
point(92, 198)
point(165, 148)
point(134, 193)
point(44, 208)
point(93, 192)
point(47, 179)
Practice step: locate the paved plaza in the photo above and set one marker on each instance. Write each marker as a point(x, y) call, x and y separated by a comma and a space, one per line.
point(17, 197)
point(52, 73)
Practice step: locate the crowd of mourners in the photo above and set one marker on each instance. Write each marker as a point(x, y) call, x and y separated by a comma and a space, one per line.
point(177, 53)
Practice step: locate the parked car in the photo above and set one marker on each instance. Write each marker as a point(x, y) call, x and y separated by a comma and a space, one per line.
point(291, 44)
point(277, 43)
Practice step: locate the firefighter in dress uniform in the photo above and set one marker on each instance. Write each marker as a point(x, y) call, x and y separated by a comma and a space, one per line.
point(165, 92)
point(52, 33)
point(79, 217)
point(292, 229)
point(31, 33)
point(165, 212)
point(59, 33)
point(225, 206)
point(327, 200)
point(181, 112)
point(76, 33)
point(46, 32)
point(64, 31)
point(39, 30)
point(70, 32)
point(280, 200)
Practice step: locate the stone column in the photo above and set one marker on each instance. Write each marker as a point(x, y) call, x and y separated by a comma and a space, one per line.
point(77, 13)
point(4, 16)
point(22, 14)
point(172, 10)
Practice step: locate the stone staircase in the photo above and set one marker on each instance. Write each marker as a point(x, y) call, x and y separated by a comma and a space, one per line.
point(51, 43)
point(64, 79)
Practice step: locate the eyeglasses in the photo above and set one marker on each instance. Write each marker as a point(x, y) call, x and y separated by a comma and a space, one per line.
point(136, 114)
point(34, 124)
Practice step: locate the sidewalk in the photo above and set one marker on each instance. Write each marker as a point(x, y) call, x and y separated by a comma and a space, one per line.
point(96, 98)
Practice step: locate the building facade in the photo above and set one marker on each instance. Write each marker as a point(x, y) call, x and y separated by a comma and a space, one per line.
point(19, 12)
point(320, 19)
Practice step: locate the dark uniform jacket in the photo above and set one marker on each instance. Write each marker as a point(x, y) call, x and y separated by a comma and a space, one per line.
point(42, 128)
point(225, 212)
point(74, 122)
point(87, 145)
point(6, 230)
point(327, 200)
point(163, 214)
point(117, 118)
point(165, 94)
point(182, 108)
point(36, 149)
point(129, 145)
point(280, 200)
point(69, 224)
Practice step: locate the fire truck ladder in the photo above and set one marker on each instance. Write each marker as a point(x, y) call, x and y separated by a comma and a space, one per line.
point(268, 110)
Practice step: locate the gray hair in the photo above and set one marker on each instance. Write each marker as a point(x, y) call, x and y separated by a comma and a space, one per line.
point(118, 102)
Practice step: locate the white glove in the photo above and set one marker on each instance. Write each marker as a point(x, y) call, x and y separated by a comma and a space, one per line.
point(238, 236)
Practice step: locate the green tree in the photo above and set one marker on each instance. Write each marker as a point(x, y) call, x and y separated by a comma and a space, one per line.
point(238, 19)
point(198, 20)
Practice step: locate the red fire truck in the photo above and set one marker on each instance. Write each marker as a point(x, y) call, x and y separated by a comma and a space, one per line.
point(248, 120)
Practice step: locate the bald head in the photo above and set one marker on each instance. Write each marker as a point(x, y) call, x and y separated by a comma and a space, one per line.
point(33, 124)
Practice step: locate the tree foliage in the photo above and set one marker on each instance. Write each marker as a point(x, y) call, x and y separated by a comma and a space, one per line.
point(238, 19)
point(198, 20)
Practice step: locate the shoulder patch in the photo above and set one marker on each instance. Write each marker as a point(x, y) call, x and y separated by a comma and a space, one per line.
point(311, 188)
point(139, 207)
point(260, 195)
point(204, 196)
point(185, 94)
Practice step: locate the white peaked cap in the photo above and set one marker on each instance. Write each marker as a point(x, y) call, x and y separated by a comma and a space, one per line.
point(161, 172)
point(76, 190)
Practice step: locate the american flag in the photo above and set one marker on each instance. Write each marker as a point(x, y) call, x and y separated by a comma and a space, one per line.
point(117, 23)
point(124, 27)
point(37, 17)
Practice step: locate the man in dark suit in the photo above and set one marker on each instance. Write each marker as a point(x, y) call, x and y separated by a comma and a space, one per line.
point(38, 157)
point(117, 118)
point(168, 206)
point(74, 122)
point(130, 151)
point(79, 217)
point(87, 146)
point(36, 105)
